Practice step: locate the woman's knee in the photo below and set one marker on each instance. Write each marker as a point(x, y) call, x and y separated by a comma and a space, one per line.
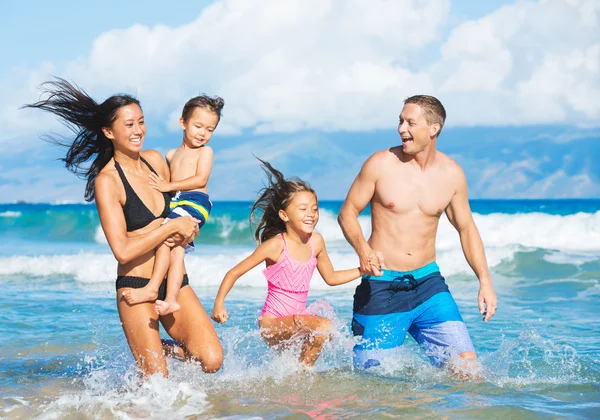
point(212, 364)
point(211, 359)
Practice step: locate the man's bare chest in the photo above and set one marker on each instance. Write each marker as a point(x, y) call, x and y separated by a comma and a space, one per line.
point(405, 194)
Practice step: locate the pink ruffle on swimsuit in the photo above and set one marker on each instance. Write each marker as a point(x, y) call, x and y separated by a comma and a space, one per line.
point(288, 282)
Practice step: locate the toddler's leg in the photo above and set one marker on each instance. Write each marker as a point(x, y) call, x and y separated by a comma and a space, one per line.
point(149, 293)
point(174, 279)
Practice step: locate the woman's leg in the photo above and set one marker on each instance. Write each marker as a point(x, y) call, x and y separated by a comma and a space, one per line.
point(191, 327)
point(315, 331)
point(140, 324)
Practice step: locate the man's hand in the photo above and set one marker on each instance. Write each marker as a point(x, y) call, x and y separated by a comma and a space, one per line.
point(158, 183)
point(487, 301)
point(371, 261)
point(219, 314)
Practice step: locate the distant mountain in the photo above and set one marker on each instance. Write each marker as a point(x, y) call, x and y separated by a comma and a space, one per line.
point(530, 163)
point(499, 162)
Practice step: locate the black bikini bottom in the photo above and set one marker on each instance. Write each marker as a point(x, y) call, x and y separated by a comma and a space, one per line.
point(139, 282)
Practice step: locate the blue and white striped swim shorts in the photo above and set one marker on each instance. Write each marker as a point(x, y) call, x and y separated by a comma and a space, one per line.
point(418, 302)
point(191, 203)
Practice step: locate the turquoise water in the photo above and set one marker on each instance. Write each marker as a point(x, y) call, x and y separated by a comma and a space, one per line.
point(63, 353)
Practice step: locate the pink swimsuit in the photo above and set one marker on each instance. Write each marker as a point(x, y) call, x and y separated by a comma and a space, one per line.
point(289, 282)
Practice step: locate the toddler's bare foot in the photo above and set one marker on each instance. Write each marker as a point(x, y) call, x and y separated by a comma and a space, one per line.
point(165, 307)
point(135, 296)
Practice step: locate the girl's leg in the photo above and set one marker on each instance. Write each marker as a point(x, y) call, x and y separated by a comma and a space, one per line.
point(314, 329)
point(192, 329)
point(174, 279)
point(140, 324)
point(149, 293)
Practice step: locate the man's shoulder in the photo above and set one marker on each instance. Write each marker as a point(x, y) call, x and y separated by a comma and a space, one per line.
point(383, 156)
point(378, 162)
point(450, 168)
point(447, 162)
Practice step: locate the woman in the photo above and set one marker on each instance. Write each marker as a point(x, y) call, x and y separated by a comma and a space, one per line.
point(131, 212)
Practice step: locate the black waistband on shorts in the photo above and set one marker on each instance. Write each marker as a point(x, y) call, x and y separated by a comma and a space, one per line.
point(403, 294)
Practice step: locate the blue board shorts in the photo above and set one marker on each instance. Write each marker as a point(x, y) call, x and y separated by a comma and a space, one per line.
point(190, 203)
point(418, 302)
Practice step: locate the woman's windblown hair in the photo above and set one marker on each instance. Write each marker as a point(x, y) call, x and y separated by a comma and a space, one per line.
point(276, 195)
point(86, 119)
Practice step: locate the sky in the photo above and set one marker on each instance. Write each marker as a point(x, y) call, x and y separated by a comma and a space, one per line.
point(316, 86)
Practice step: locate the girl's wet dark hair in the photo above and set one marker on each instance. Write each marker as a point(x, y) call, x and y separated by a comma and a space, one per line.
point(277, 195)
point(215, 105)
point(86, 118)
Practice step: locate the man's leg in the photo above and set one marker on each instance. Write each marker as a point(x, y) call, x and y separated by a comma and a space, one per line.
point(381, 337)
point(440, 330)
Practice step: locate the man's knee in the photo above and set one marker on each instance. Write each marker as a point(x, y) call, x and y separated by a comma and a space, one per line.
point(468, 355)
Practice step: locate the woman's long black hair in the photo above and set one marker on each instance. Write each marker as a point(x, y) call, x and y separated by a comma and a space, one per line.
point(277, 195)
point(86, 118)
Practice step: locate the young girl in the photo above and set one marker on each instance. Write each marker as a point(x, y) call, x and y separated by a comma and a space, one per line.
point(291, 250)
point(190, 166)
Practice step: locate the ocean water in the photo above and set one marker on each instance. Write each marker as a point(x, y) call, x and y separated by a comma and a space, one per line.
point(63, 354)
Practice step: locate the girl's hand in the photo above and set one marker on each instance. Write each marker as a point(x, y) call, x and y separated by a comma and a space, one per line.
point(371, 261)
point(219, 314)
point(376, 263)
point(158, 183)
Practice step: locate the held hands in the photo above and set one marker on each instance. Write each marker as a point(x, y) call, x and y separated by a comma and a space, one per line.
point(187, 230)
point(371, 262)
point(158, 183)
point(219, 314)
point(487, 301)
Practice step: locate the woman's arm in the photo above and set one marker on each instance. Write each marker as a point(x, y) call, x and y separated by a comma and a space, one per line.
point(112, 219)
point(269, 250)
point(325, 267)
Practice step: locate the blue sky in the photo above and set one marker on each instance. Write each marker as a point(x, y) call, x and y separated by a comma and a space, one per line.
point(316, 86)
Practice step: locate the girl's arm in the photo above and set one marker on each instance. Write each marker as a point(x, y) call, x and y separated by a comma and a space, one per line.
point(332, 277)
point(112, 219)
point(269, 250)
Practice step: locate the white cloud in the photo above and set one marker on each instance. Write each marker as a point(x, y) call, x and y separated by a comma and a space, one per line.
point(284, 66)
point(525, 63)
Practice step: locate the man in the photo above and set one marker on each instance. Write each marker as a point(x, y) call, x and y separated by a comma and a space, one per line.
point(409, 187)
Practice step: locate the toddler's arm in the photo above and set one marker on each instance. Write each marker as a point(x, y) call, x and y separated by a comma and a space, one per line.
point(198, 181)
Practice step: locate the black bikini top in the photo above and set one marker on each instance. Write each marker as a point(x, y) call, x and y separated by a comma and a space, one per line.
point(137, 214)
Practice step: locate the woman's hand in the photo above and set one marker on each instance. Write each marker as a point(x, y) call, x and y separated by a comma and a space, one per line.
point(187, 230)
point(158, 183)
